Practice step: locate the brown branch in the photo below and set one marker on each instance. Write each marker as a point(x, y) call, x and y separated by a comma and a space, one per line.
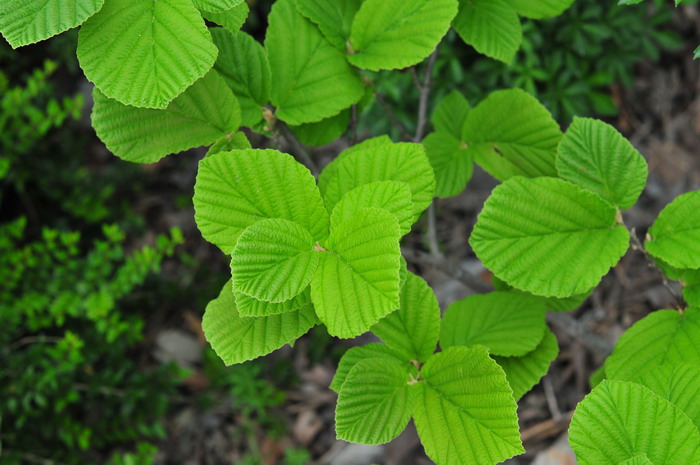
point(424, 90)
point(432, 230)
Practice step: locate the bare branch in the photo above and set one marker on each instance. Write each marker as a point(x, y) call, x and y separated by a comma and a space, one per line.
point(424, 89)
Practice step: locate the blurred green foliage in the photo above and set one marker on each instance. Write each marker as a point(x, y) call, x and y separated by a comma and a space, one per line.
point(70, 385)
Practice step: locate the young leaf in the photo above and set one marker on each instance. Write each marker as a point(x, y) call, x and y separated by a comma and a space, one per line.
point(662, 337)
point(243, 64)
point(216, 5)
point(235, 141)
point(392, 196)
point(156, 51)
point(524, 372)
point(323, 132)
point(510, 133)
point(620, 420)
point(237, 339)
point(274, 260)
point(236, 189)
point(506, 323)
point(204, 113)
point(414, 328)
point(232, 19)
point(464, 411)
point(330, 172)
point(678, 383)
point(595, 156)
point(357, 281)
point(357, 354)
point(539, 9)
point(375, 402)
point(311, 80)
point(451, 114)
point(333, 18)
point(452, 162)
point(252, 307)
point(404, 162)
point(675, 235)
point(548, 237)
point(24, 22)
point(492, 27)
point(394, 34)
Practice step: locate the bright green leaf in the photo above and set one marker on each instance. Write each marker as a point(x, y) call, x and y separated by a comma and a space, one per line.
point(357, 354)
point(506, 323)
point(274, 260)
point(524, 372)
point(662, 337)
point(311, 78)
point(392, 196)
point(638, 460)
point(205, 113)
point(451, 114)
point(675, 235)
point(452, 162)
point(357, 281)
point(236, 339)
point(232, 19)
point(331, 170)
point(393, 34)
point(539, 9)
point(595, 156)
point(375, 402)
point(323, 132)
point(333, 18)
point(492, 27)
point(414, 328)
point(252, 307)
point(548, 237)
point(678, 383)
point(235, 141)
point(24, 22)
point(404, 162)
point(243, 64)
point(620, 420)
point(216, 5)
point(510, 133)
point(237, 189)
point(145, 53)
point(464, 412)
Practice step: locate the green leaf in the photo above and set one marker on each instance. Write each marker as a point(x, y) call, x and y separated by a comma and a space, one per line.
point(216, 5)
point(524, 372)
point(539, 9)
point(357, 281)
point(24, 22)
point(451, 114)
point(414, 328)
point(235, 141)
point(392, 196)
point(323, 132)
point(394, 34)
point(274, 260)
point(311, 78)
point(619, 420)
point(237, 339)
point(595, 156)
point(355, 355)
point(332, 169)
point(663, 337)
point(239, 188)
point(492, 27)
point(678, 383)
point(510, 133)
point(404, 162)
point(231, 19)
point(375, 402)
point(252, 307)
point(691, 294)
point(205, 113)
point(145, 53)
point(638, 460)
point(333, 18)
point(243, 64)
point(464, 411)
point(548, 237)
point(696, 53)
point(452, 163)
point(675, 235)
point(506, 323)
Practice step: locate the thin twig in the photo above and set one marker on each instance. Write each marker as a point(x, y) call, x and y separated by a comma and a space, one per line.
point(392, 117)
point(299, 150)
point(432, 230)
point(637, 245)
point(578, 331)
point(424, 90)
